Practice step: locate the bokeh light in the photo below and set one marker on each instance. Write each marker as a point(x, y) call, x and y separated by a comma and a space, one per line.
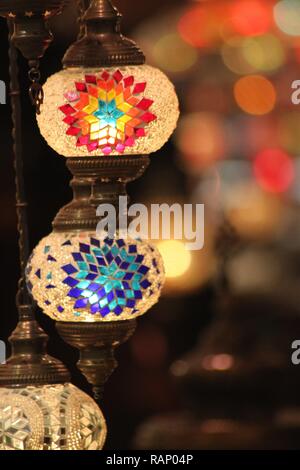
point(254, 213)
point(200, 25)
point(200, 137)
point(177, 258)
point(287, 16)
point(251, 17)
point(264, 53)
point(274, 170)
point(174, 55)
point(255, 94)
point(233, 56)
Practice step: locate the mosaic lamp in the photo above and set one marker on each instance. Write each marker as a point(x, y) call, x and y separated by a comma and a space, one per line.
point(76, 277)
point(50, 417)
point(106, 101)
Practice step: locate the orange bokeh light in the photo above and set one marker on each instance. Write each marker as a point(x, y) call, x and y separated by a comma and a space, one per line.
point(255, 94)
point(274, 170)
point(201, 26)
point(251, 17)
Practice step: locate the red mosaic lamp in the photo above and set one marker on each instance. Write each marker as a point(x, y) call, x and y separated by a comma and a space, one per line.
point(107, 101)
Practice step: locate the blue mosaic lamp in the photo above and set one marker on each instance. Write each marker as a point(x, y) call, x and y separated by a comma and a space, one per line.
point(75, 277)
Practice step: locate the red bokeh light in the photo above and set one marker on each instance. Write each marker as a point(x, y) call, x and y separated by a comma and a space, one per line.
point(200, 26)
point(251, 17)
point(274, 170)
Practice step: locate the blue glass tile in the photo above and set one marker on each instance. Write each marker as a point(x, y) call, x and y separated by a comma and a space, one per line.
point(95, 242)
point(124, 265)
point(118, 310)
point(38, 273)
point(93, 268)
point(90, 258)
point(93, 286)
point(95, 308)
point(138, 294)
point(104, 311)
point(91, 276)
point(120, 293)
point(118, 260)
point(143, 269)
point(145, 283)
point(128, 276)
point(101, 293)
point(77, 257)
point(109, 257)
point(69, 269)
point(84, 248)
point(83, 284)
point(81, 303)
point(75, 293)
point(130, 303)
point(50, 258)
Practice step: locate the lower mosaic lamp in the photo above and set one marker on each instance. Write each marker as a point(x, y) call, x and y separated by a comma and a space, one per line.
point(50, 417)
point(76, 277)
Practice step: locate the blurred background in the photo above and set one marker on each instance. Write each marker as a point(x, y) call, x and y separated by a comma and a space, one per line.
point(210, 366)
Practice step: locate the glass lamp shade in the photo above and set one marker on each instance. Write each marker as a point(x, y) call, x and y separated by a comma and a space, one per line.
point(77, 277)
point(114, 111)
point(50, 417)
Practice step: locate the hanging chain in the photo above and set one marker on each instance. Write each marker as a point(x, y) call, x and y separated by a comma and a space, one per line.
point(82, 6)
point(36, 92)
point(23, 297)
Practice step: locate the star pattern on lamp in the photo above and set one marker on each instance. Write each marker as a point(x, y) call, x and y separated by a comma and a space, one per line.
point(107, 112)
point(106, 279)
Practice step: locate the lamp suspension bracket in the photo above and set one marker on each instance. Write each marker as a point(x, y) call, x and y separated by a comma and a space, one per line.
point(31, 35)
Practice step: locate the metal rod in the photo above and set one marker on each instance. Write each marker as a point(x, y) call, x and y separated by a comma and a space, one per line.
point(23, 297)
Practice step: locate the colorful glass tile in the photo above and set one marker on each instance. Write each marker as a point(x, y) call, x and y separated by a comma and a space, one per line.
point(108, 112)
point(94, 280)
point(116, 265)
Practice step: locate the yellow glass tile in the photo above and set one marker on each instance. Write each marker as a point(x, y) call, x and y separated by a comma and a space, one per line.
point(111, 95)
point(124, 119)
point(119, 99)
point(125, 107)
point(90, 119)
point(121, 126)
point(102, 95)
